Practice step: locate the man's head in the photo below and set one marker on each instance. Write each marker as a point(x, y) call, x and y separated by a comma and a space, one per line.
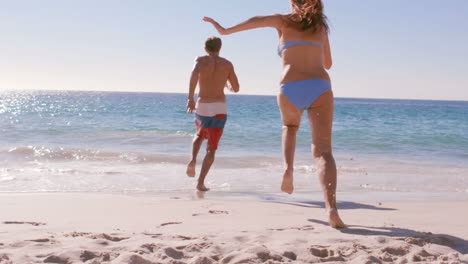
point(213, 45)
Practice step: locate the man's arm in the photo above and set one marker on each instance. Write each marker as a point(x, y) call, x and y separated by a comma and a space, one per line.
point(233, 79)
point(193, 86)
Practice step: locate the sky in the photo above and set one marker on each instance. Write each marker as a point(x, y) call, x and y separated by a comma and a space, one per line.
point(415, 49)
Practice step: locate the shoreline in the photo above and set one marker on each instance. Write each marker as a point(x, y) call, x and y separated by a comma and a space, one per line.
point(361, 195)
point(187, 228)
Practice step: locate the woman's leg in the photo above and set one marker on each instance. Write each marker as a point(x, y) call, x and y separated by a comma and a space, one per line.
point(291, 117)
point(321, 119)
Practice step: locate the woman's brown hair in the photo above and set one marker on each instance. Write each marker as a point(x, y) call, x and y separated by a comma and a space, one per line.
point(309, 14)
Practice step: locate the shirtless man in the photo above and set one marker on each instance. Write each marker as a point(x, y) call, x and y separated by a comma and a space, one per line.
point(212, 73)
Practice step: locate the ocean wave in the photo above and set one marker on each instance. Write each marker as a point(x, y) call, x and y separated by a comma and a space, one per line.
point(341, 169)
point(7, 178)
point(412, 188)
point(41, 153)
point(145, 132)
point(61, 154)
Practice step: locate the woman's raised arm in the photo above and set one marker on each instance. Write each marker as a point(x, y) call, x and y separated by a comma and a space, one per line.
point(274, 21)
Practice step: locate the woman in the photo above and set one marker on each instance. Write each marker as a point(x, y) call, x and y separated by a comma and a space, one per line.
point(305, 85)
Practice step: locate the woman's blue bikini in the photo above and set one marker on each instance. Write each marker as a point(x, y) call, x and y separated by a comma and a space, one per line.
point(302, 94)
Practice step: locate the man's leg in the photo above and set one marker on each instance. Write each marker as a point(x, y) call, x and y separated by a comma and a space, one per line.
point(207, 162)
point(196, 144)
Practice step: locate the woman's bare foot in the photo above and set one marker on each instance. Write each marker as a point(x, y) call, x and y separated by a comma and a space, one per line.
point(191, 168)
point(287, 184)
point(334, 219)
point(202, 188)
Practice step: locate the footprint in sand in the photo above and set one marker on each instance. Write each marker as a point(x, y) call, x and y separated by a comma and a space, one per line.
point(366, 259)
point(77, 234)
point(278, 229)
point(395, 251)
point(40, 240)
point(241, 239)
point(416, 241)
point(108, 237)
point(152, 235)
point(321, 252)
point(171, 223)
point(387, 257)
point(23, 223)
point(218, 212)
point(185, 237)
point(326, 255)
point(213, 212)
point(195, 247)
point(290, 255)
point(4, 257)
point(304, 228)
point(57, 259)
point(131, 258)
point(203, 260)
point(151, 247)
point(88, 255)
point(173, 253)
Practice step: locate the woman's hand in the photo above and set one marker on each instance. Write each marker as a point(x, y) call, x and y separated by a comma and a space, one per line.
point(218, 27)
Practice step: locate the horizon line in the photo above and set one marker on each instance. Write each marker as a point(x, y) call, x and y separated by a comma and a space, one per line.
point(228, 94)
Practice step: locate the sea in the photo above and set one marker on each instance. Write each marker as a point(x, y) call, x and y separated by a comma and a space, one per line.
point(139, 143)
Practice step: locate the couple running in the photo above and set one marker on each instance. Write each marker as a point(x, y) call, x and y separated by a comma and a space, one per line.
point(305, 85)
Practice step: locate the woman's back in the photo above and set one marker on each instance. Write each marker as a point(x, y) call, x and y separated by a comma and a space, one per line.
point(304, 52)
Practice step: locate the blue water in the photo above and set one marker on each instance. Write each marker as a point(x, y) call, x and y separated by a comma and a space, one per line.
point(93, 134)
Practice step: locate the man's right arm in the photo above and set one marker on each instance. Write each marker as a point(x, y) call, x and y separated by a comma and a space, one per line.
point(233, 79)
point(193, 86)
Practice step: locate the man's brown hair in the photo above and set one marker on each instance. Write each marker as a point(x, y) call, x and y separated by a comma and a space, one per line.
point(213, 44)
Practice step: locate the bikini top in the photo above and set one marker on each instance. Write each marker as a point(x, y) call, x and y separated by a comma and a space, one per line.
point(286, 44)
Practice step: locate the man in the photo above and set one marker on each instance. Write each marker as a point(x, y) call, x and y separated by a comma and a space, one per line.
point(211, 73)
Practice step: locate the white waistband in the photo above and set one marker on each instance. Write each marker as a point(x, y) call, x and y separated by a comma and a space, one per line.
point(211, 109)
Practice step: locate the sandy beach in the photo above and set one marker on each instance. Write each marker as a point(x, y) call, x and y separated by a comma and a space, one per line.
point(190, 228)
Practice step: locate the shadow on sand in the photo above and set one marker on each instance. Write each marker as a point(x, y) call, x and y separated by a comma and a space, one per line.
point(273, 198)
point(341, 205)
point(418, 237)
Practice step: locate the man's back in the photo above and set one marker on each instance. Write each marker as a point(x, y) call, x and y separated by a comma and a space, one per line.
point(213, 74)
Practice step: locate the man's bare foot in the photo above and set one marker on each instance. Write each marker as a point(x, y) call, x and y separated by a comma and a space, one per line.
point(191, 168)
point(202, 188)
point(200, 195)
point(334, 219)
point(287, 184)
